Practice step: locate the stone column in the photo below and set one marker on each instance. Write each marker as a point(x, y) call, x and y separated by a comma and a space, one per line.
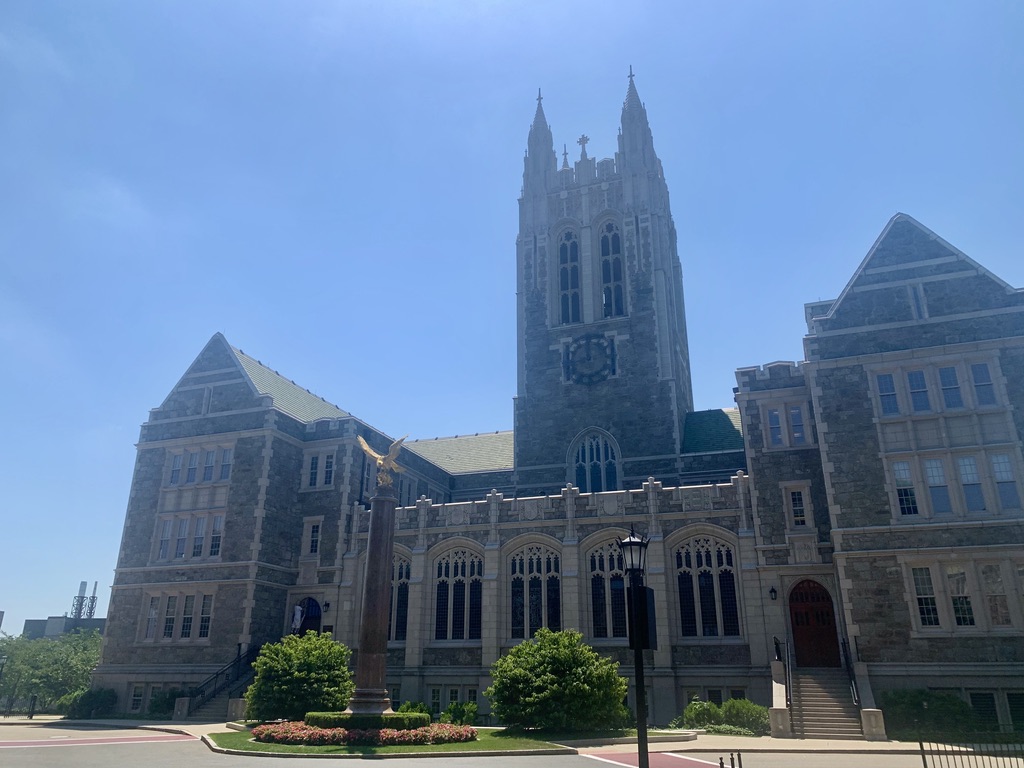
point(371, 664)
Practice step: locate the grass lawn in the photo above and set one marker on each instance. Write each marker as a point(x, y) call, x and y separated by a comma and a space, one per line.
point(487, 741)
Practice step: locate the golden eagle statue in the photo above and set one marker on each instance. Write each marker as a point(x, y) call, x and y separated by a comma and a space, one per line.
point(385, 463)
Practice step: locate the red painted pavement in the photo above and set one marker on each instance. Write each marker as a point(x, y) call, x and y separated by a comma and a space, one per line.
point(656, 760)
point(58, 741)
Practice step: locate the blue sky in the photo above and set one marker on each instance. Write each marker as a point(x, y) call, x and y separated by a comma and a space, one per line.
point(333, 186)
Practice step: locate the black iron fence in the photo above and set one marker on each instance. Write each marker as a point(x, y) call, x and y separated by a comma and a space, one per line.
point(979, 750)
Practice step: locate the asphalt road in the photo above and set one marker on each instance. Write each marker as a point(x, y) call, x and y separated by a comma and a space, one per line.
point(60, 746)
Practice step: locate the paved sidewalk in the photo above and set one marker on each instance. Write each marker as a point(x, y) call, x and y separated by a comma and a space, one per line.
point(751, 744)
point(704, 743)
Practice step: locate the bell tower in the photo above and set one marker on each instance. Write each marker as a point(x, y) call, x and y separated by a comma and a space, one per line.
point(603, 381)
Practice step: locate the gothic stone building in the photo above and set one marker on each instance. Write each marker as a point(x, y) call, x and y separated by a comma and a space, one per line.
point(867, 499)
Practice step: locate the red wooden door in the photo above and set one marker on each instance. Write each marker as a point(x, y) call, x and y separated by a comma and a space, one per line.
point(812, 618)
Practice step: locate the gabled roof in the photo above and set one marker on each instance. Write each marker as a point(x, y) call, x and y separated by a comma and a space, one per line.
point(227, 365)
point(287, 396)
point(715, 430)
point(907, 245)
point(488, 452)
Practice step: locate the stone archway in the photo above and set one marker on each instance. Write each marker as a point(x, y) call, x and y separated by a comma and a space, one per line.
point(812, 622)
point(306, 616)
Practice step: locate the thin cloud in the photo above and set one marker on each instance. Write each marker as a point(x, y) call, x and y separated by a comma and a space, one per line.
point(112, 202)
point(31, 55)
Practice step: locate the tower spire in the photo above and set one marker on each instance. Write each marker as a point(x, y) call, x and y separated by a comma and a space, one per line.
point(632, 101)
point(538, 117)
point(540, 160)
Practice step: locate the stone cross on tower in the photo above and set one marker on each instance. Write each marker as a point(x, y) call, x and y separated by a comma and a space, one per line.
point(582, 141)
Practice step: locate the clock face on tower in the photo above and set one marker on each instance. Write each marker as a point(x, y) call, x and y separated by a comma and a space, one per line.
point(591, 359)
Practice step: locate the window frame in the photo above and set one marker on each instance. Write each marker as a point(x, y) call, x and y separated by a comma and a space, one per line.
point(319, 469)
point(952, 607)
point(455, 567)
point(784, 432)
point(169, 616)
point(191, 465)
point(972, 483)
point(788, 488)
point(519, 566)
point(706, 559)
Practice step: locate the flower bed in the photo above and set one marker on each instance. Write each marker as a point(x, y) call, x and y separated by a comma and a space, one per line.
point(300, 733)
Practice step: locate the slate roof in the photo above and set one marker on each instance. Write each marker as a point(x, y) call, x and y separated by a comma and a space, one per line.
point(288, 396)
point(715, 430)
point(487, 452)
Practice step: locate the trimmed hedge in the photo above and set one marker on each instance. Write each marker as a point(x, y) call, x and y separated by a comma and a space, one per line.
point(302, 733)
point(399, 721)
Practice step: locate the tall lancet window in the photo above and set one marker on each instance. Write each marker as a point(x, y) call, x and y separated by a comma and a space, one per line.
point(706, 572)
point(458, 608)
point(611, 271)
point(569, 278)
point(398, 614)
point(608, 591)
point(535, 591)
point(595, 460)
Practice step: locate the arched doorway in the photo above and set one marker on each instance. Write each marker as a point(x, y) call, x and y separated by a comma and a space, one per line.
point(305, 616)
point(812, 619)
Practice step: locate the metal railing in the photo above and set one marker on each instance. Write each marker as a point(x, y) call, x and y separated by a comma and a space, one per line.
point(783, 653)
point(979, 750)
point(848, 664)
point(236, 671)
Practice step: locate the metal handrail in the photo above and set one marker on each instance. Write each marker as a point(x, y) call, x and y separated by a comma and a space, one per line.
point(236, 669)
point(789, 676)
point(848, 664)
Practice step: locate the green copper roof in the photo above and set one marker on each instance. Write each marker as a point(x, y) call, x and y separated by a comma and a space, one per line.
point(714, 430)
point(288, 396)
point(487, 452)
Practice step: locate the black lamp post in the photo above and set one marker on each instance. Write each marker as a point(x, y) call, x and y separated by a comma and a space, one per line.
point(634, 555)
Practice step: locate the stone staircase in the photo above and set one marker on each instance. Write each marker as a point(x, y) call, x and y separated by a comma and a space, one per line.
point(823, 705)
point(213, 711)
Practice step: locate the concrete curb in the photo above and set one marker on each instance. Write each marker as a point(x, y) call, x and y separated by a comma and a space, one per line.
point(482, 753)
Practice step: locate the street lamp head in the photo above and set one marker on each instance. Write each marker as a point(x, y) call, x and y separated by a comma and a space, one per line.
point(634, 552)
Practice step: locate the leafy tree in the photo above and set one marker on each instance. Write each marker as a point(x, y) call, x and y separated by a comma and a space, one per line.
point(557, 682)
point(300, 674)
point(48, 668)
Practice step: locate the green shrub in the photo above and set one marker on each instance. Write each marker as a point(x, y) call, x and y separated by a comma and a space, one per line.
point(82, 705)
point(161, 703)
point(558, 683)
point(400, 721)
point(699, 714)
point(745, 714)
point(414, 706)
point(909, 712)
point(460, 713)
point(300, 674)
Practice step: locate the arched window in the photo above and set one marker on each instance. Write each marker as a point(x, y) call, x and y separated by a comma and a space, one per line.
point(459, 596)
point(706, 574)
point(607, 591)
point(536, 591)
point(569, 278)
point(612, 299)
point(595, 459)
point(398, 611)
